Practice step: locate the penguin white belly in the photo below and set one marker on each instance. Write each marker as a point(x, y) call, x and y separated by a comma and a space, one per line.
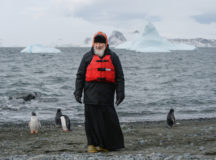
point(34, 124)
point(63, 122)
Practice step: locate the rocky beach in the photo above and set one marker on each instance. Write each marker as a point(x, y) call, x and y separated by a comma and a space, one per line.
point(188, 139)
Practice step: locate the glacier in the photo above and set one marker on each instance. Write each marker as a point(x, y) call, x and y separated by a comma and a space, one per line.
point(38, 48)
point(151, 41)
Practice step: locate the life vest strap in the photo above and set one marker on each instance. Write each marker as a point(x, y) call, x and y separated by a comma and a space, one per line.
point(104, 69)
point(102, 60)
point(102, 79)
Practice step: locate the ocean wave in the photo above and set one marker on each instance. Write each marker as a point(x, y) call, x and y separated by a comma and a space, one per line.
point(154, 83)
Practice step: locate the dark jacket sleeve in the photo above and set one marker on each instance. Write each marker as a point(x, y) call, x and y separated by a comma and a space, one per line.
point(120, 81)
point(80, 79)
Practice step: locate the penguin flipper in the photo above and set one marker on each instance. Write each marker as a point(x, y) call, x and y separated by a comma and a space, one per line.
point(39, 124)
point(68, 125)
point(67, 122)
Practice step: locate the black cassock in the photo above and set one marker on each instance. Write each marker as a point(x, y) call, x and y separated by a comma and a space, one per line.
point(101, 120)
point(102, 127)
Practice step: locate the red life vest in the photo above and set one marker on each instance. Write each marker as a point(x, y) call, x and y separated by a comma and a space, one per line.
point(100, 69)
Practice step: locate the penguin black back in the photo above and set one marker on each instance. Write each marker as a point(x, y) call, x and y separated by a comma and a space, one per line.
point(171, 118)
point(57, 118)
point(67, 122)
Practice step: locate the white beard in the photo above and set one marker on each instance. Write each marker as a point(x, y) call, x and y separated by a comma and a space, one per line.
point(99, 52)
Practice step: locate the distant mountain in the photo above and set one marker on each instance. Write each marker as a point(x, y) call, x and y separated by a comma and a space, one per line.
point(197, 42)
point(87, 41)
point(136, 32)
point(116, 38)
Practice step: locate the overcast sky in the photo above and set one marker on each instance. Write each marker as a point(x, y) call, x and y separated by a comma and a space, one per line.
point(25, 22)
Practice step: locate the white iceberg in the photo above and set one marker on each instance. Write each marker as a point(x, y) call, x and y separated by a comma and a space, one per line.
point(151, 41)
point(37, 48)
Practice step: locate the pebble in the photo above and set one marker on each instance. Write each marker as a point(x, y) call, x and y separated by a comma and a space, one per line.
point(201, 148)
point(169, 147)
point(99, 156)
point(141, 141)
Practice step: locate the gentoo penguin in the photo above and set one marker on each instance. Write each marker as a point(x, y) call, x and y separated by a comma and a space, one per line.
point(171, 118)
point(34, 124)
point(62, 121)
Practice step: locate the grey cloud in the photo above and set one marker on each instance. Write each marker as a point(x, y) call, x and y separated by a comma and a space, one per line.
point(112, 12)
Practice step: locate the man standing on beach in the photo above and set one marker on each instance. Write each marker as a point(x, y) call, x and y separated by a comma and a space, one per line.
point(100, 74)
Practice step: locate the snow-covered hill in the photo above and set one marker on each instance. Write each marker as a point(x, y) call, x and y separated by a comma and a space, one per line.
point(197, 42)
point(116, 38)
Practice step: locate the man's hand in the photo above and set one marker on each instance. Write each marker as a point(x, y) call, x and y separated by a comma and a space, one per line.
point(78, 99)
point(119, 100)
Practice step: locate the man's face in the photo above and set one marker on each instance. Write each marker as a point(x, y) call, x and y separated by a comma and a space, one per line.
point(99, 46)
point(99, 49)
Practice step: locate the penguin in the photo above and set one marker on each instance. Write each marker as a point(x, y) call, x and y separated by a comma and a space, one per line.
point(65, 122)
point(171, 118)
point(34, 124)
point(57, 118)
point(62, 121)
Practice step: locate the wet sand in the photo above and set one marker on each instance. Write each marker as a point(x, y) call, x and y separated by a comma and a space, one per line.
point(186, 140)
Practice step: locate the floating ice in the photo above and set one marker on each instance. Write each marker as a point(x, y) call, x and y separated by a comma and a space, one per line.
point(37, 48)
point(151, 41)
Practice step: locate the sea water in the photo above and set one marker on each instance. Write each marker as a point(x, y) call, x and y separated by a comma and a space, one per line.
point(154, 83)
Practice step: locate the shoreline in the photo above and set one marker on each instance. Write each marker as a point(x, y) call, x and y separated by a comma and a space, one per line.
point(51, 122)
point(187, 139)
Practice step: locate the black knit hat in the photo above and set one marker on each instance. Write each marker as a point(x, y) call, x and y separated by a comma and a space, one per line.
point(100, 39)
